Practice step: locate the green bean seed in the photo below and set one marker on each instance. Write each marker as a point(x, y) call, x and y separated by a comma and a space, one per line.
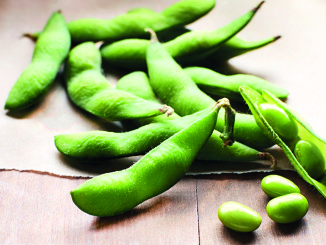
point(214, 83)
point(117, 192)
point(288, 208)
point(310, 158)
point(51, 49)
point(133, 23)
point(239, 217)
point(89, 89)
point(175, 88)
point(187, 48)
point(276, 185)
point(280, 121)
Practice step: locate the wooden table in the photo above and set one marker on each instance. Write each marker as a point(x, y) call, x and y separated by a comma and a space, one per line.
point(36, 208)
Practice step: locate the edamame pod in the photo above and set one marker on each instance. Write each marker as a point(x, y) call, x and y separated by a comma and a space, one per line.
point(90, 90)
point(214, 83)
point(237, 46)
point(175, 88)
point(51, 49)
point(138, 84)
point(189, 47)
point(161, 168)
point(133, 23)
point(305, 133)
point(275, 185)
point(288, 208)
point(238, 217)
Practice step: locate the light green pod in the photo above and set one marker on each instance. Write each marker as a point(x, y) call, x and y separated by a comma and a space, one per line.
point(310, 151)
point(280, 121)
point(239, 217)
point(89, 89)
point(275, 185)
point(187, 48)
point(51, 49)
point(133, 23)
point(214, 83)
point(288, 208)
point(161, 168)
point(310, 158)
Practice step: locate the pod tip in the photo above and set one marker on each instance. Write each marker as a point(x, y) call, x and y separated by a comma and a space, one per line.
point(258, 6)
point(277, 37)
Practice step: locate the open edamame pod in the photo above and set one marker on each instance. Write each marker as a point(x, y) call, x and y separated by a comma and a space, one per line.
point(133, 23)
point(51, 49)
point(214, 83)
point(175, 88)
point(161, 168)
point(89, 89)
point(303, 147)
point(189, 47)
point(237, 46)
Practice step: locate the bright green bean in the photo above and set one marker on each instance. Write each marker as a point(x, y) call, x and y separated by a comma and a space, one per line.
point(310, 158)
point(175, 88)
point(133, 23)
point(238, 217)
point(280, 121)
point(275, 185)
point(51, 49)
point(187, 48)
point(288, 208)
point(118, 192)
point(89, 89)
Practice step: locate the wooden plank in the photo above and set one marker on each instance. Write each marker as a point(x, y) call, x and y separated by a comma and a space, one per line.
point(37, 209)
point(245, 188)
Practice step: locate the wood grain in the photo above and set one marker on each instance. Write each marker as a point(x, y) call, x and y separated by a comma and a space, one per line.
point(37, 209)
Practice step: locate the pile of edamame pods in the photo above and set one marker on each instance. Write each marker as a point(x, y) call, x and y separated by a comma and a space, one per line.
point(163, 63)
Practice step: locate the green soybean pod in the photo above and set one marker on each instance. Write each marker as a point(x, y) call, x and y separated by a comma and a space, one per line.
point(133, 23)
point(312, 143)
point(237, 46)
point(161, 168)
point(239, 217)
point(97, 145)
point(288, 208)
point(176, 89)
point(51, 49)
point(275, 185)
point(187, 48)
point(310, 157)
point(214, 83)
point(89, 89)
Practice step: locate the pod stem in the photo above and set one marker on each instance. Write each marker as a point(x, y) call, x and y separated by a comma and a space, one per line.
point(153, 35)
point(167, 110)
point(229, 118)
point(268, 156)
